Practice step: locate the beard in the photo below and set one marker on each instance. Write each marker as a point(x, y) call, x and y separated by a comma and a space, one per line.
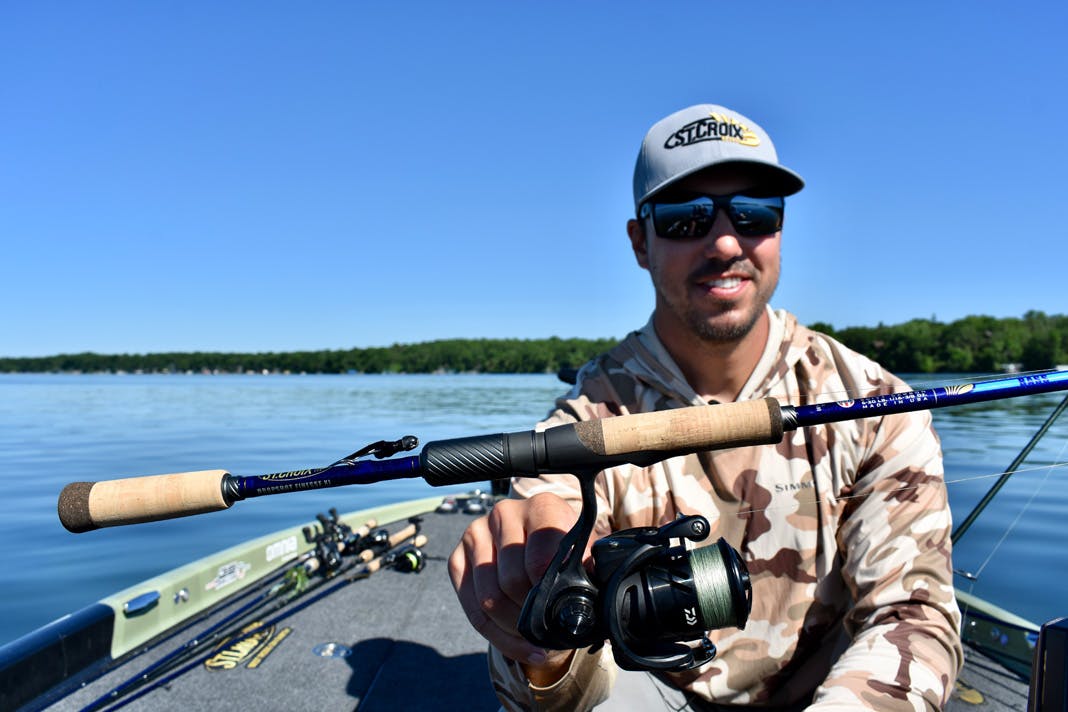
point(723, 331)
point(715, 333)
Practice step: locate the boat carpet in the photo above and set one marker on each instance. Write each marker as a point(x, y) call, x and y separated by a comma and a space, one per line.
point(411, 648)
point(986, 686)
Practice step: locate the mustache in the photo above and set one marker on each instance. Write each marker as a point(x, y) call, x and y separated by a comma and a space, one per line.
point(716, 268)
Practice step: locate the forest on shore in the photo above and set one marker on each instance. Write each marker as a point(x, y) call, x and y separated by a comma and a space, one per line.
point(972, 344)
point(969, 345)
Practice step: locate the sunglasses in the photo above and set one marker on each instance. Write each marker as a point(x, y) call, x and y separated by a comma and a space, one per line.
point(751, 217)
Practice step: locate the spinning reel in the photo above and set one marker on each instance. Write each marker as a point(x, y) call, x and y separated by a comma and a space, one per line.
point(647, 597)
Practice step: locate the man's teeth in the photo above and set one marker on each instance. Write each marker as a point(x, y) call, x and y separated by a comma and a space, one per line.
point(727, 283)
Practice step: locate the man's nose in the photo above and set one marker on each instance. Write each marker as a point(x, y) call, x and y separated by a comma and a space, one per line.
point(722, 240)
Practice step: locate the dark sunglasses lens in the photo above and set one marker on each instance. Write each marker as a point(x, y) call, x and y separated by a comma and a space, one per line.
point(751, 217)
point(678, 221)
point(756, 216)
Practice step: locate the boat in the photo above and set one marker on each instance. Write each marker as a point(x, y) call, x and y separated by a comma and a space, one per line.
point(391, 640)
point(357, 611)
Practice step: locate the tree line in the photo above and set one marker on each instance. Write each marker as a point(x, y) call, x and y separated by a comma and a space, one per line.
point(450, 355)
point(972, 344)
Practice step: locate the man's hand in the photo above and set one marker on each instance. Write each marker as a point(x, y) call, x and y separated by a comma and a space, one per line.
point(499, 559)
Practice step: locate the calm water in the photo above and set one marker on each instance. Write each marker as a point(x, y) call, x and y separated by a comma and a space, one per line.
point(60, 428)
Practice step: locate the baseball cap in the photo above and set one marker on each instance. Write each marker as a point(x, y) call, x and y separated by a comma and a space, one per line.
point(705, 136)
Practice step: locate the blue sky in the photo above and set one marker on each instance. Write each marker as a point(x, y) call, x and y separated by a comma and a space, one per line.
point(276, 176)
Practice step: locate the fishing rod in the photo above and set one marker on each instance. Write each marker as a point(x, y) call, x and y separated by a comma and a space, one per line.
point(639, 439)
point(408, 559)
point(383, 551)
point(649, 594)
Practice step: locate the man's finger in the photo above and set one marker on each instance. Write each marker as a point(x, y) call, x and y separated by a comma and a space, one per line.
point(548, 519)
point(463, 570)
point(507, 525)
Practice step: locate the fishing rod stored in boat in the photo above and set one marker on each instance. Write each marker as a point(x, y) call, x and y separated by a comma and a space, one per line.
point(407, 559)
point(362, 548)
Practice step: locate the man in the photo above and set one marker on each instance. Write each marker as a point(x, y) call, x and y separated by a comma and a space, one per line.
point(844, 527)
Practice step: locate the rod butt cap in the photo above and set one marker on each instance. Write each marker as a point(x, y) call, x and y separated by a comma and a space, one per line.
point(73, 507)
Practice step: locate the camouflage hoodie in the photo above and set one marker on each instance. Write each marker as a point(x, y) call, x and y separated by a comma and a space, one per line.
point(844, 527)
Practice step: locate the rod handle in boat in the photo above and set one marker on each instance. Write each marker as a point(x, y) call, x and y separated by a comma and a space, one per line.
point(84, 506)
point(395, 539)
point(366, 555)
point(376, 563)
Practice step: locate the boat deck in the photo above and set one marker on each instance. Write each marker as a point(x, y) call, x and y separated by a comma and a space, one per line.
point(411, 648)
point(984, 685)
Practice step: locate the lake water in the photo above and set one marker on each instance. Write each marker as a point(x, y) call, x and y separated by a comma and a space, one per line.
point(55, 429)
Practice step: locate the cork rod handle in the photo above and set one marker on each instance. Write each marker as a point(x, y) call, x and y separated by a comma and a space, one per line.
point(375, 564)
point(686, 429)
point(84, 506)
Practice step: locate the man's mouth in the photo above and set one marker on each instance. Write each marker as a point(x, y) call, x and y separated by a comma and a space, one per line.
point(723, 283)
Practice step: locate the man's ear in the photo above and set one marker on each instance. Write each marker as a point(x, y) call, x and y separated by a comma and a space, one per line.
point(636, 232)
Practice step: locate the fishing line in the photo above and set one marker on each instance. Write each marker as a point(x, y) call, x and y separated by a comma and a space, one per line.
point(906, 488)
point(973, 578)
point(712, 583)
point(1019, 516)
